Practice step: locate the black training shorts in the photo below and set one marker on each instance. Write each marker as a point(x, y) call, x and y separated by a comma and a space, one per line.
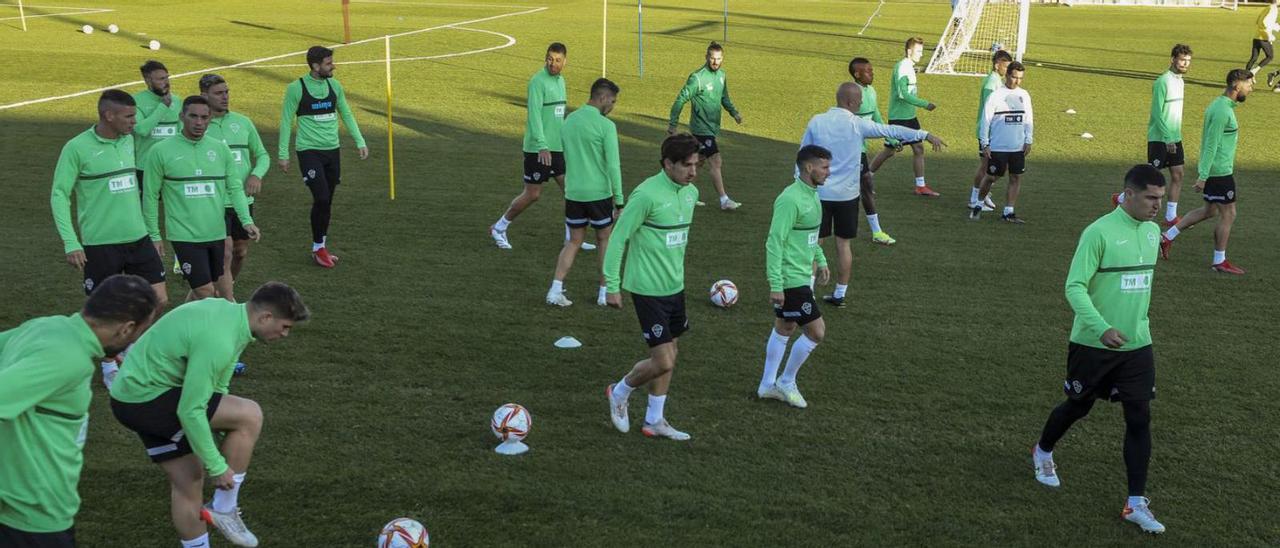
point(201, 262)
point(1220, 190)
point(707, 145)
point(839, 218)
point(1013, 162)
point(913, 123)
point(662, 319)
point(1158, 155)
point(535, 173)
point(139, 258)
point(798, 306)
point(157, 425)
point(1110, 374)
point(598, 213)
point(234, 229)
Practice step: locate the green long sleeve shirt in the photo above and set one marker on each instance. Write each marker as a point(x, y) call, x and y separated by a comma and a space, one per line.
point(709, 93)
point(101, 173)
point(45, 368)
point(1219, 139)
point(545, 111)
point(991, 83)
point(869, 109)
point(192, 175)
point(315, 132)
point(194, 347)
point(592, 166)
point(1165, 123)
point(792, 245)
point(247, 151)
point(156, 121)
point(1109, 284)
point(656, 225)
point(903, 98)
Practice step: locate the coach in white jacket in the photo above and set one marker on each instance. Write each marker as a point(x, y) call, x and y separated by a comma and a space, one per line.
point(1005, 137)
point(842, 132)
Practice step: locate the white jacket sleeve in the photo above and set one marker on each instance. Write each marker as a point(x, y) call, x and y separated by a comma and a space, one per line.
point(1027, 120)
point(988, 112)
point(867, 128)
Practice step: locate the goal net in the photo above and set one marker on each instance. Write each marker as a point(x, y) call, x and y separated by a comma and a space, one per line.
point(976, 29)
point(1228, 4)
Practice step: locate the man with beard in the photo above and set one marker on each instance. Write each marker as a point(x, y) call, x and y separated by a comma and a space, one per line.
point(707, 90)
point(1216, 177)
point(45, 367)
point(315, 101)
point(157, 112)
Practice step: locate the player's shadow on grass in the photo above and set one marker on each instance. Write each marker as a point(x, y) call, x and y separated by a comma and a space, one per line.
point(268, 28)
point(1115, 73)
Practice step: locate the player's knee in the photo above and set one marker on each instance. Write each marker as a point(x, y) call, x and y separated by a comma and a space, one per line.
point(240, 250)
point(815, 333)
point(917, 149)
point(786, 329)
point(1137, 414)
point(252, 419)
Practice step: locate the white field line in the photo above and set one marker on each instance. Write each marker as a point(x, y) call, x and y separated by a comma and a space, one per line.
point(438, 4)
point(86, 11)
point(511, 41)
point(271, 58)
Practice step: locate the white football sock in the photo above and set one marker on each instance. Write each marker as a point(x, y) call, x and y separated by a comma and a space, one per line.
point(653, 414)
point(226, 500)
point(1008, 210)
point(724, 199)
point(604, 291)
point(773, 352)
point(622, 390)
point(1041, 454)
point(874, 221)
point(919, 181)
point(799, 353)
point(109, 367)
point(840, 290)
point(1120, 198)
point(199, 542)
point(317, 247)
point(1172, 232)
point(1135, 502)
point(557, 286)
point(973, 195)
point(502, 223)
point(1171, 211)
point(1219, 256)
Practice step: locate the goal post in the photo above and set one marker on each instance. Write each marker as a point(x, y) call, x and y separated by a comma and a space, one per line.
point(975, 30)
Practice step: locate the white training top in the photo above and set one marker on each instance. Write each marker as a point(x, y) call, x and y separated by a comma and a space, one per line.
point(1007, 120)
point(842, 132)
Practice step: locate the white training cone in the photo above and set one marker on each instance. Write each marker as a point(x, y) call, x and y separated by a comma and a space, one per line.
point(1071, 111)
point(511, 447)
point(87, 29)
point(568, 342)
point(1086, 135)
point(112, 28)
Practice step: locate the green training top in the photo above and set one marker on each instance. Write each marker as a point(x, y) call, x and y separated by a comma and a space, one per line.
point(869, 109)
point(193, 178)
point(903, 100)
point(990, 84)
point(194, 347)
point(247, 151)
point(45, 368)
point(316, 131)
point(1109, 284)
point(709, 93)
point(1165, 122)
point(545, 113)
point(792, 245)
point(156, 121)
point(656, 223)
point(102, 173)
point(1218, 142)
point(593, 170)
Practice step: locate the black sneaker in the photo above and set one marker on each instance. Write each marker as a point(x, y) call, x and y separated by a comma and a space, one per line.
point(1012, 218)
point(833, 301)
point(1271, 80)
point(975, 211)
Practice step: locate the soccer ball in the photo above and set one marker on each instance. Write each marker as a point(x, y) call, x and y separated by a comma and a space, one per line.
point(403, 533)
point(724, 294)
point(112, 28)
point(511, 422)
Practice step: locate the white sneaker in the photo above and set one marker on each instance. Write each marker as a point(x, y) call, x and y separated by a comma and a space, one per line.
point(699, 203)
point(771, 393)
point(588, 246)
point(558, 299)
point(1046, 470)
point(663, 429)
point(1141, 515)
point(499, 238)
point(600, 301)
point(792, 395)
point(988, 204)
point(729, 205)
point(231, 526)
point(617, 411)
point(109, 372)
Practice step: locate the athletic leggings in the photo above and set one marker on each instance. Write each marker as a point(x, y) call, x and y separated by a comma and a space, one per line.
point(1137, 435)
point(321, 172)
point(1260, 46)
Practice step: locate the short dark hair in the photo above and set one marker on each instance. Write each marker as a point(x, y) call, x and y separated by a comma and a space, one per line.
point(809, 153)
point(602, 85)
point(151, 66)
point(1142, 176)
point(557, 47)
point(194, 100)
point(317, 55)
point(121, 298)
point(209, 80)
point(1000, 55)
point(912, 42)
point(281, 301)
point(1180, 50)
point(714, 46)
point(1238, 75)
point(114, 97)
point(1015, 66)
point(677, 147)
point(857, 61)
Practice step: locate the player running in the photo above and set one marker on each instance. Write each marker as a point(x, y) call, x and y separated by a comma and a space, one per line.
point(862, 72)
point(45, 368)
point(316, 100)
point(1110, 357)
point(1216, 177)
point(999, 65)
point(1263, 42)
point(708, 92)
point(791, 251)
point(593, 182)
point(656, 223)
point(903, 102)
point(174, 395)
point(196, 177)
point(1164, 128)
point(1005, 137)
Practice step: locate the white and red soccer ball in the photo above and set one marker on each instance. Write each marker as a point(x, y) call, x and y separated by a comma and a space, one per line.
point(724, 294)
point(511, 422)
point(403, 533)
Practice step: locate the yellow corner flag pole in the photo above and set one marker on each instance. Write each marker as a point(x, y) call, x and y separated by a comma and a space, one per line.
point(391, 156)
point(22, 15)
point(604, 40)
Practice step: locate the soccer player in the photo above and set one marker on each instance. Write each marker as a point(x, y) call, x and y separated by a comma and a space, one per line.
point(174, 395)
point(316, 100)
point(1005, 137)
point(45, 367)
point(157, 112)
point(791, 250)
point(98, 165)
point(903, 102)
point(842, 133)
point(707, 90)
point(251, 160)
point(862, 72)
point(999, 65)
point(656, 225)
point(1262, 42)
point(1216, 177)
point(196, 176)
point(543, 143)
point(593, 182)
point(1164, 128)
point(1109, 356)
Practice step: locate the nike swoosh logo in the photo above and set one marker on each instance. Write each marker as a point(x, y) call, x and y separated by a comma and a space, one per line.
point(1121, 242)
point(178, 158)
point(98, 153)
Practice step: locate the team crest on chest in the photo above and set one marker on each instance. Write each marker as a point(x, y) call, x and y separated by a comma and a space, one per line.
point(234, 127)
point(213, 156)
